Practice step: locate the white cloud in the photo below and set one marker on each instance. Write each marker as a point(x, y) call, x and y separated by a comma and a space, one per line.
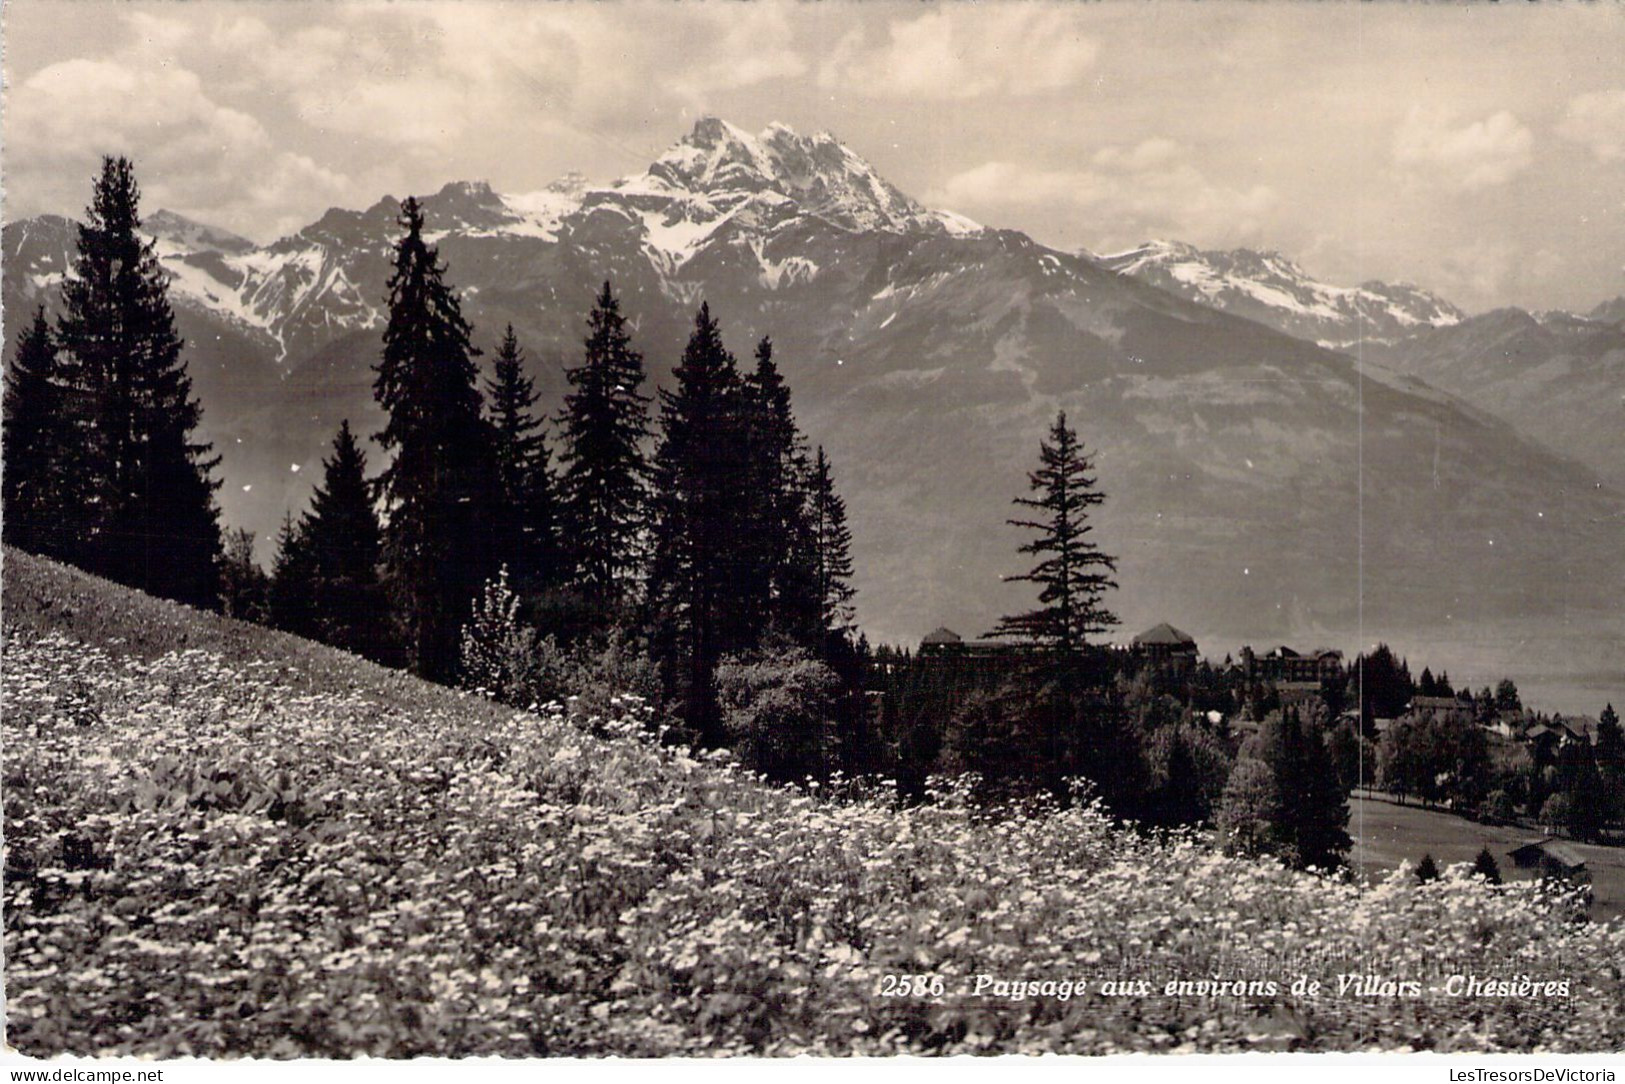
point(1598, 121)
point(965, 52)
point(432, 79)
point(1430, 148)
point(1152, 189)
point(192, 154)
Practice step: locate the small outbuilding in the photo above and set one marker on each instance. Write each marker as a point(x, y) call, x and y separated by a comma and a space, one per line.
point(1549, 858)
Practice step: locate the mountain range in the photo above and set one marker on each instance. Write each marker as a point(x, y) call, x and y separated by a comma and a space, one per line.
point(1261, 487)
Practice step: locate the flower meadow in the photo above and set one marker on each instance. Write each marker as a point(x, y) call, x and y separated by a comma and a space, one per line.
point(208, 855)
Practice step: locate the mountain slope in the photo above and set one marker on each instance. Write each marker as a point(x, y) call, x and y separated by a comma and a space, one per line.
point(1271, 289)
point(1559, 378)
point(1255, 482)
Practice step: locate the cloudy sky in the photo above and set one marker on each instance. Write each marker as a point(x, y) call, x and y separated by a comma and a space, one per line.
point(1478, 151)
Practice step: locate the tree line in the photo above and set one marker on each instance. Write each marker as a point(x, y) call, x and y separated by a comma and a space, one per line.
point(727, 541)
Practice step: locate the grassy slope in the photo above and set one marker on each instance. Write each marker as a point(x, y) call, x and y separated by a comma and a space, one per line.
point(224, 840)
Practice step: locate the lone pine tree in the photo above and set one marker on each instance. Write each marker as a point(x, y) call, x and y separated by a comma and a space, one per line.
point(603, 487)
point(440, 488)
point(41, 477)
point(527, 519)
point(150, 517)
point(1073, 574)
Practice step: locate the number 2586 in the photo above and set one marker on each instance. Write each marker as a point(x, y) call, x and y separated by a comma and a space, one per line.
point(911, 986)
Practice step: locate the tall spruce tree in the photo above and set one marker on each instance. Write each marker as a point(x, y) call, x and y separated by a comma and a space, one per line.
point(440, 488)
point(42, 479)
point(780, 585)
point(604, 484)
point(1073, 574)
point(831, 550)
point(696, 607)
point(527, 520)
point(153, 524)
point(344, 542)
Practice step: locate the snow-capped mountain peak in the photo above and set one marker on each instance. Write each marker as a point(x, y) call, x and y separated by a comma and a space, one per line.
point(747, 200)
point(725, 166)
point(1273, 289)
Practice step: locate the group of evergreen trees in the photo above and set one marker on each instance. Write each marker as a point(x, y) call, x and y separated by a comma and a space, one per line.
point(102, 468)
point(749, 541)
point(729, 539)
point(723, 542)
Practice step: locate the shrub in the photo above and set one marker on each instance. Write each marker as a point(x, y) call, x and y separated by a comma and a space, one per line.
point(778, 710)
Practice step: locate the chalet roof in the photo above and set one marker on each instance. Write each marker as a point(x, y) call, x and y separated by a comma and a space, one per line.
point(1283, 652)
point(1579, 727)
point(942, 635)
point(1165, 634)
point(1562, 852)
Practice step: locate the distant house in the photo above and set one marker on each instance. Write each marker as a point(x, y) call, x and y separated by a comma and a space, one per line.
point(1436, 705)
point(1165, 645)
point(1545, 739)
point(948, 648)
point(1550, 858)
point(1285, 664)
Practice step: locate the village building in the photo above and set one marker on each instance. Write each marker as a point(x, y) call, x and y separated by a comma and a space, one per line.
point(1437, 705)
point(1164, 645)
point(1285, 664)
point(1550, 858)
point(946, 647)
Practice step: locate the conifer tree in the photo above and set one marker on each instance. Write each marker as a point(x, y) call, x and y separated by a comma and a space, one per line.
point(697, 613)
point(344, 543)
point(1485, 866)
point(153, 524)
point(292, 603)
point(43, 497)
point(527, 520)
point(781, 573)
point(1611, 743)
point(440, 488)
point(1073, 573)
point(831, 543)
point(1311, 829)
point(1427, 870)
point(245, 589)
point(604, 485)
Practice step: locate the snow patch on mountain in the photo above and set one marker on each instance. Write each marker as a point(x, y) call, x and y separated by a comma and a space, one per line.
point(718, 190)
point(1272, 289)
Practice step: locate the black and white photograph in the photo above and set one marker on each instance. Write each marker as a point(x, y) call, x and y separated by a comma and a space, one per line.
point(650, 530)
